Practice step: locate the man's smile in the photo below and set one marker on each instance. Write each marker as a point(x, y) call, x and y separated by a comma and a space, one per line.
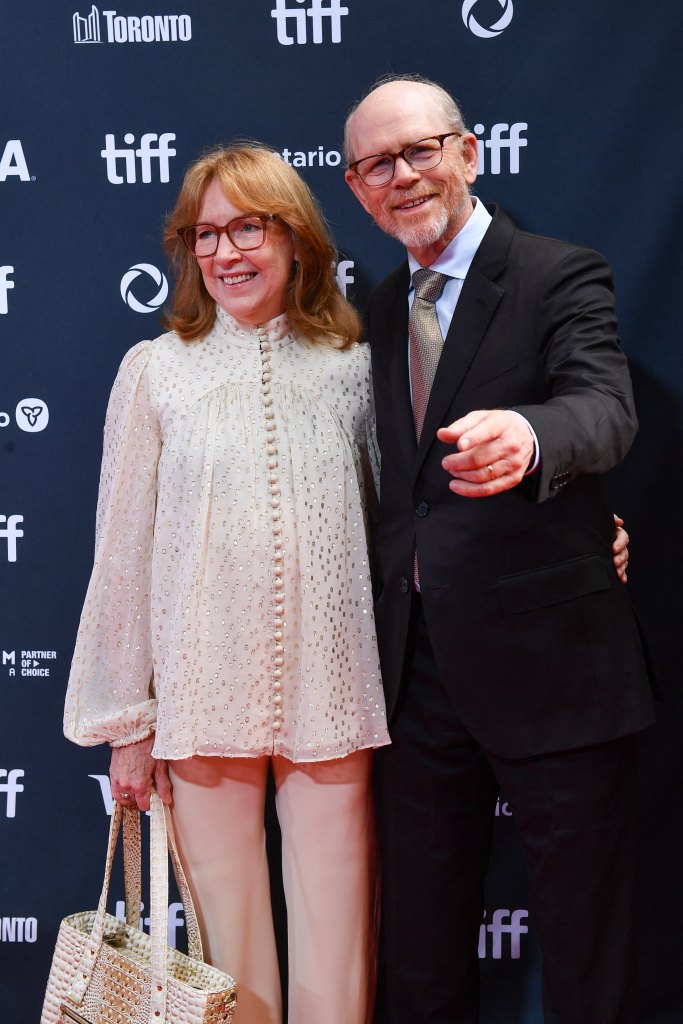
point(413, 202)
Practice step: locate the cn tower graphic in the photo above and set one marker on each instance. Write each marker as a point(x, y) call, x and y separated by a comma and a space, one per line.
point(87, 30)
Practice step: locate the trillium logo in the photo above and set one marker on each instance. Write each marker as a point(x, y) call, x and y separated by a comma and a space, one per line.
point(159, 280)
point(492, 30)
point(32, 415)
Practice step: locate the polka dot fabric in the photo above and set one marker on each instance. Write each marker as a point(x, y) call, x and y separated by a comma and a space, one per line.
point(230, 605)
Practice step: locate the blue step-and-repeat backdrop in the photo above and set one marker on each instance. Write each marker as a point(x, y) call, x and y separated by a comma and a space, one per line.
point(578, 110)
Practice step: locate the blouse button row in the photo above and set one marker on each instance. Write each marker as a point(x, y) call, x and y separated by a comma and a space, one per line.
point(275, 515)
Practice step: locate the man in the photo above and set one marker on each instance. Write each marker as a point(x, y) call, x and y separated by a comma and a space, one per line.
point(510, 656)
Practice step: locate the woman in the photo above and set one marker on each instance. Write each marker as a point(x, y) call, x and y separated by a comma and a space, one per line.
point(228, 626)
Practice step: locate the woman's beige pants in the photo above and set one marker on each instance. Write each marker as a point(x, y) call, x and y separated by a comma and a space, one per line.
point(328, 867)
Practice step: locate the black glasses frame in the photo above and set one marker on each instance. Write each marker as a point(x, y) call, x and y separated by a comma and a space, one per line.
point(353, 166)
point(185, 233)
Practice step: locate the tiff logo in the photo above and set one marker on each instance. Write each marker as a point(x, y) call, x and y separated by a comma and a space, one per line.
point(146, 153)
point(503, 137)
point(10, 531)
point(5, 286)
point(345, 275)
point(317, 12)
point(175, 919)
point(11, 786)
point(503, 923)
point(87, 30)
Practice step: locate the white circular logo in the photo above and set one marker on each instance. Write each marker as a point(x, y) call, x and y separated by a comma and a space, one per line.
point(492, 30)
point(159, 280)
point(32, 415)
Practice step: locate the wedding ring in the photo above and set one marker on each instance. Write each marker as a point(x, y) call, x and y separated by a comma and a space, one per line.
point(491, 473)
point(125, 796)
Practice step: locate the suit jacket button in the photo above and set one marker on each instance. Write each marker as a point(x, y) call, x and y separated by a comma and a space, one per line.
point(403, 585)
point(421, 509)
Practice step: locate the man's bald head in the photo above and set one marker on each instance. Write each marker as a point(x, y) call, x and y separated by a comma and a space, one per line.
point(392, 89)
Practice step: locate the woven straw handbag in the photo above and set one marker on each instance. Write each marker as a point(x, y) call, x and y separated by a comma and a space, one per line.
point(108, 971)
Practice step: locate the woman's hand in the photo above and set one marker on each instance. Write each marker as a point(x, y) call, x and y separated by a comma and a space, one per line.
point(133, 773)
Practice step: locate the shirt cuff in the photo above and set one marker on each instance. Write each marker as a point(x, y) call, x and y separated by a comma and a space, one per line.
point(533, 465)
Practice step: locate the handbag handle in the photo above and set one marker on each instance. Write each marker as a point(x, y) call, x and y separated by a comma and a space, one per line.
point(162, 841)
point(132, 845)
point(132, 866)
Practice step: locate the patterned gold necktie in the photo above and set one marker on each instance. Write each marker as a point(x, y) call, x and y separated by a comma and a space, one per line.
point(426, 340)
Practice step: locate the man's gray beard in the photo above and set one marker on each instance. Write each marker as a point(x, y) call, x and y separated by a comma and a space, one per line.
point(418, 236)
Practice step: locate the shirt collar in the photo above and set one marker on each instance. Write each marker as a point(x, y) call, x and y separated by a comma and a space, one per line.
point(457, 257)
point(275, 331)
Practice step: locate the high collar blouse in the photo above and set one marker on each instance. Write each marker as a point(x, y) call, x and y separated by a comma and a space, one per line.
point(230, 605)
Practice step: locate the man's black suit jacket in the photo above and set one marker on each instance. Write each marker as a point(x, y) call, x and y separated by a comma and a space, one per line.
point(530, 626)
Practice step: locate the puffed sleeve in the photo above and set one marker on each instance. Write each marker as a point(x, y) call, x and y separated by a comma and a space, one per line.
point(110, 696)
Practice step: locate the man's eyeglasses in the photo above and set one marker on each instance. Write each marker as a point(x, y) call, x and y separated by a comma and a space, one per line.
point(423, 154)
point(245, 233)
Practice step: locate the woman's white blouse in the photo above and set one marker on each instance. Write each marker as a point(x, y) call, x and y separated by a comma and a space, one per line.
point(230, 606)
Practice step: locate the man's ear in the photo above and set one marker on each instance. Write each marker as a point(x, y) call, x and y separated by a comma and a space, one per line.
point(357, 187)
point(470, 156)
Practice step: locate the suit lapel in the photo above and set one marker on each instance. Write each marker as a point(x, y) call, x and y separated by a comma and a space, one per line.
point(396, 337)
point(477, 303)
